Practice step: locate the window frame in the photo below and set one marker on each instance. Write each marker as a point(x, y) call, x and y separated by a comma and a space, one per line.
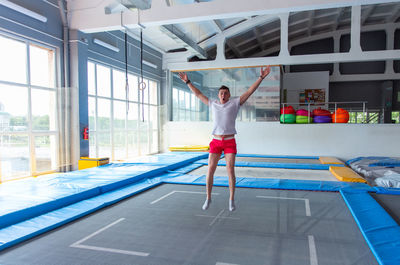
point(30, 132)
point(134, 131)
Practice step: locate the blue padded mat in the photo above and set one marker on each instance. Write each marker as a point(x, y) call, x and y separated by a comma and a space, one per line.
point(278, 156)
point(275, 165)
point(22, 231)
point(379, 229)
point(27, 198)
point(64, 197)
point(289, 184)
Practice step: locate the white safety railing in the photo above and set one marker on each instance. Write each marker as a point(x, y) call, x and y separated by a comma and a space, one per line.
point(327, 105)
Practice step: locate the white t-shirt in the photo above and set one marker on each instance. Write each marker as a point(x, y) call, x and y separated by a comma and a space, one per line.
point(224, 116)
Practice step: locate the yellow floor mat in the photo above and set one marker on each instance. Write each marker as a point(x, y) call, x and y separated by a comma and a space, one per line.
point(330, 160)
point(346, 174)
point(189, 148)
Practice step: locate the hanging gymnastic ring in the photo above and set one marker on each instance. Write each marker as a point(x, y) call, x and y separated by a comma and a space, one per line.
point(142, 85)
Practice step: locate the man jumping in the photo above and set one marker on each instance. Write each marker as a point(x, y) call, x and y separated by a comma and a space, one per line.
point(224, 113)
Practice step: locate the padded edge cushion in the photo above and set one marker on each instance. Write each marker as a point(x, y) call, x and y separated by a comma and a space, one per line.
point(379, 229)
point(330, 160)
point(346, 174)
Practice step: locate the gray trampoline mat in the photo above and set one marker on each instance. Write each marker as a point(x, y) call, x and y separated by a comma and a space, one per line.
point(390, 202)
point(167, 223)
point(277, 160)
point(277, 173)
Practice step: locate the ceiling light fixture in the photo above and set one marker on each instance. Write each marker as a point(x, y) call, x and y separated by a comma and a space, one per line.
point(150, 64)
point(23, 10)
point(106, 45)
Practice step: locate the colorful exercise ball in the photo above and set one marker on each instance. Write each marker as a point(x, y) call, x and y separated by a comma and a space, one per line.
point(304, 119)
point(303, 112)
point(322, 119)
point(288, 118)
point(288, 110)
point(340, 116)
point(321, 112)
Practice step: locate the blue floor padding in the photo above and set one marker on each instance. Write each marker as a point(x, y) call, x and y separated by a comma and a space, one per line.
point(278, 156)
point(379, 229)
point(382, 190)
point(275, 165)
point(35, 196)
point(188, 168)
point(348, 162)
point(282, 184)
point(22, 231)
point(33, 206)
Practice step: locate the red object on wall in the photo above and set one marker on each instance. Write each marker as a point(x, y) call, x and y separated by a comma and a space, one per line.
point(86, 133)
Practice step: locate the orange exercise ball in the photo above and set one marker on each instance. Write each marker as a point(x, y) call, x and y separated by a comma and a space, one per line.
point(340, 116)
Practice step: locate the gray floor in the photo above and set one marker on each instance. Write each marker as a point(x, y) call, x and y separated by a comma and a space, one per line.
point(165, 225)
point(277, 173)
point(389, 202)
point(278, 160)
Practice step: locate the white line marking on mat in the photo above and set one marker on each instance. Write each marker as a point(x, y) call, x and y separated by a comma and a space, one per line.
point(212, 216)
point(113, 250)
point(226, 217)
point(78, 244)
point(313, 251)
point(224, 263)
point(98, 232)
point(181, 191)
point(306, 202)
point(216, 217)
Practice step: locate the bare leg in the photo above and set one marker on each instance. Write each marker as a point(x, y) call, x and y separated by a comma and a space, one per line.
point(212, 165)
point(230, 167)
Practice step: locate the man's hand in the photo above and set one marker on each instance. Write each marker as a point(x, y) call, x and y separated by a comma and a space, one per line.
point(250, 91)
point(183, 76)
point(265, 72)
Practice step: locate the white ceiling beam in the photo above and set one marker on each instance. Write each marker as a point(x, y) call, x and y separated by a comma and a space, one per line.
point(89, 16)
point(355, 34)
point(286, 60)
point(284, 51)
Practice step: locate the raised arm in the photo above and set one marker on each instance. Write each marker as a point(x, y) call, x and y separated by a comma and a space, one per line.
point(250, 91)
point(195, 90)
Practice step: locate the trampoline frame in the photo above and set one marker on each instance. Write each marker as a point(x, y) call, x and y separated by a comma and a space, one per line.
point(379, 229)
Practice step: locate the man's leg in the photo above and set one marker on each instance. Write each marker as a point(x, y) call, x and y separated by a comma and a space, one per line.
point(212, 165)
point(230, 167)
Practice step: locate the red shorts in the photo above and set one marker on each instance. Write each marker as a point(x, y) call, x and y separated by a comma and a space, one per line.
point(227, 146)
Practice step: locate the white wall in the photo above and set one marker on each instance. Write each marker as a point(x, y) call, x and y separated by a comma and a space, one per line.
point(344, 141)
point(295, 83)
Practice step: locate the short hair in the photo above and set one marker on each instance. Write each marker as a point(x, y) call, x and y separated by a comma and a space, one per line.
point(224, 87)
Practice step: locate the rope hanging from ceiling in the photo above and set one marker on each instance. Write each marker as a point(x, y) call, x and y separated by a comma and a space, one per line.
point(126, 74)
point(142, 84)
